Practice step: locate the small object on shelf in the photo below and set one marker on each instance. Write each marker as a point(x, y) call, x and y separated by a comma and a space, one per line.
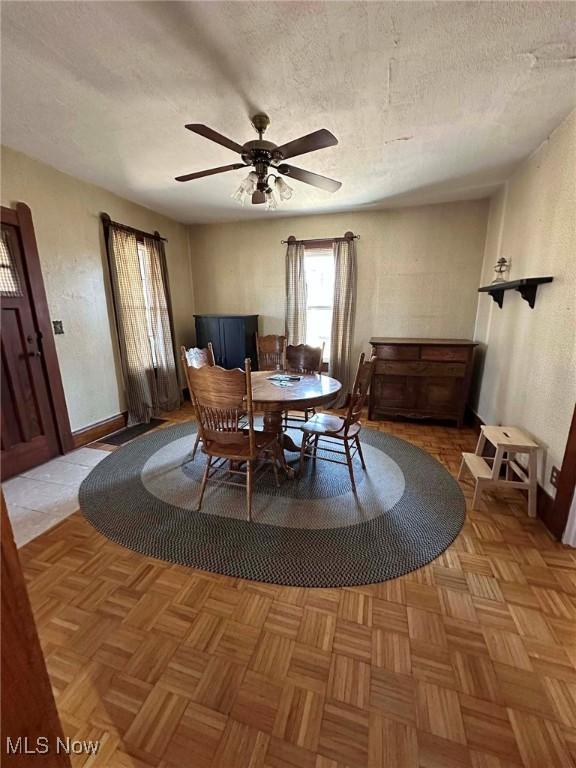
point(527, 287)
point(501, 267)
point(508, 442)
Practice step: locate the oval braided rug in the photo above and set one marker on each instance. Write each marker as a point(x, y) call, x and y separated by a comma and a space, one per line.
point(309, 532)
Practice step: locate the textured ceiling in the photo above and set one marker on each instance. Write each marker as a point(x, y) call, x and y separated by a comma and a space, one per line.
point(430, 101)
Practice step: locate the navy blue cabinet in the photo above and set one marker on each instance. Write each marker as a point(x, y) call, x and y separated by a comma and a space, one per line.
point(233, 338)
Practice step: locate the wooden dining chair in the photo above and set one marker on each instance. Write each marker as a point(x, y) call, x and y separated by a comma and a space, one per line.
point(302, 358)
point(340, 434)
point(271, 352)
point(196, 357)
point(222, 399)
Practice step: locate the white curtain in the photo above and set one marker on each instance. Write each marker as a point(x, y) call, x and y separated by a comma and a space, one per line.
point(343, 315)
point(295, 294)
point(143, 324)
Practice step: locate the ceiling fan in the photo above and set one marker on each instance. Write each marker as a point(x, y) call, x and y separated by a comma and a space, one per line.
point(265, 156)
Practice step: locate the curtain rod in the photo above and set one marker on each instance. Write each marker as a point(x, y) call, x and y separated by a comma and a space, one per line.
point(347, 236)
point(154, 236)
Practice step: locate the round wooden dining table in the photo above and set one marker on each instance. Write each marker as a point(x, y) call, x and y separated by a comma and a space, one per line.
point(271, 399)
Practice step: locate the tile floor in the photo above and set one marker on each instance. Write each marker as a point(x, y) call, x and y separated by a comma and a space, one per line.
point(42, 497)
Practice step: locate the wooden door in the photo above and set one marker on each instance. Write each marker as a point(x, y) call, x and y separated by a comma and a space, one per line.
point(32, 400)
point(555, 515)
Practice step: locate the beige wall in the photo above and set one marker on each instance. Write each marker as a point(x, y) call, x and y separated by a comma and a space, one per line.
point(418, 268)
point(418, 273)
point(529, 368)
point(70, 241)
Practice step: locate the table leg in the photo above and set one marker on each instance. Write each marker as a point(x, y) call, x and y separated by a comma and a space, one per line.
point(273, 423)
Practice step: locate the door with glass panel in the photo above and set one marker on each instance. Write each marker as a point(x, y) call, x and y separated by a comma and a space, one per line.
point(29, 425)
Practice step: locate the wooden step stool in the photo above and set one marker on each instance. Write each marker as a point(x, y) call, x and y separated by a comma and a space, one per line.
point(508, 442)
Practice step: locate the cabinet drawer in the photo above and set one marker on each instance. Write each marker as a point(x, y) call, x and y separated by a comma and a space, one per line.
point(394, 352)
point(419, 368)
point(445, 353)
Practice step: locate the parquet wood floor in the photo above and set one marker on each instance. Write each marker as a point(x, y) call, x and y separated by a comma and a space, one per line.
point(469, 662)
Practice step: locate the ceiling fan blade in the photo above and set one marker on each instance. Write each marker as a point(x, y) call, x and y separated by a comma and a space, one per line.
point(210, 172)
point(310, 143)
point(209, 133)
point(322, 182)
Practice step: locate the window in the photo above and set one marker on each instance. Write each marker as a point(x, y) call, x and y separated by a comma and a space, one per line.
point(319, 273)
point(145, 274)
point(9, 277)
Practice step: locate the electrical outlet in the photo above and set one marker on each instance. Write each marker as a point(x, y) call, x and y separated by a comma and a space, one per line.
point(555, 472)
point(58, 327)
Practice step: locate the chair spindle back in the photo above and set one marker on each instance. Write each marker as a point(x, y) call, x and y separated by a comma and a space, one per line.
point(196, 357)
point(302, 358)
point(359, 390)
point(221, 399)
point(271, 352)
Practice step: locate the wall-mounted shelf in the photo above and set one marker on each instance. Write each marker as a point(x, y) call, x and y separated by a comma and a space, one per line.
point(526, 287)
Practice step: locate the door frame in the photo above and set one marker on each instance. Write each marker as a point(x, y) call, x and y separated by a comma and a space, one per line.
point(21, 217)
point(566, 484)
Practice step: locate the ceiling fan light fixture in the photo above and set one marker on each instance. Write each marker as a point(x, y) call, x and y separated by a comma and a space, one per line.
point(271, 199)
point(246, 189)
point(258, 197)
point(284, 190)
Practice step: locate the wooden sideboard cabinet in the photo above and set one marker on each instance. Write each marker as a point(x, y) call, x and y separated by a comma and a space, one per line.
point(421, 378)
